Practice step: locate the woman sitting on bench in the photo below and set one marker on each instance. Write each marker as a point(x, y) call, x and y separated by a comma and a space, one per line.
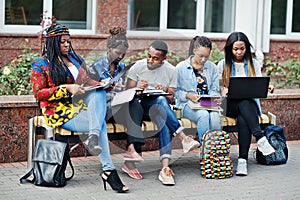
point(238, 62)
point(58, 79)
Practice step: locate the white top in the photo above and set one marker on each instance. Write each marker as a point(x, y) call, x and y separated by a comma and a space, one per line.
point(165, 75)
point(74, 71)
point(239, 69)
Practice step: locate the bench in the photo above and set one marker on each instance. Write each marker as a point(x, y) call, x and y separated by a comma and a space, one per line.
point(37, 126)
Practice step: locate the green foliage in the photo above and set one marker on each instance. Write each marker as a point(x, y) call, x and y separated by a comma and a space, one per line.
point(282, 65)
point(92, 57)
point(216, 55)
point(172, 57)
point(15, 77)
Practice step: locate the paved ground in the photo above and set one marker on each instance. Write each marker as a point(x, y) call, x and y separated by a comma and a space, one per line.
point(263, 182)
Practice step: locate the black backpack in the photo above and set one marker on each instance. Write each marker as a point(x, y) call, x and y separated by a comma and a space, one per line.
point(50, 162)
point(276, 137)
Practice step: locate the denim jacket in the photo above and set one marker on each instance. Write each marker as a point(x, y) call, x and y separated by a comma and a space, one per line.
point(187, 82)
point(99, 70)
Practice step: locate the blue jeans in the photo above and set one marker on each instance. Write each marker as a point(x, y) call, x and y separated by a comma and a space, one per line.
point(206, 120)
point(160, 112)
point(92, 120)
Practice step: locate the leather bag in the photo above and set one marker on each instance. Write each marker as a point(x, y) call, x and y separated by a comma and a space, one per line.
point(50, 162)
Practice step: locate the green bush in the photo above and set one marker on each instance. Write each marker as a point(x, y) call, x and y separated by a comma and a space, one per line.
point(216, 55)
point(172, 57)
point(15, 77)
point(282, 65)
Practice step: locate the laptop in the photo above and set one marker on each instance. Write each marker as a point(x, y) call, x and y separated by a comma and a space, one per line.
point(248, 87)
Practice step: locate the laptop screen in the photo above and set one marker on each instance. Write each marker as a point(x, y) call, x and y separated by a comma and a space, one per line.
point(248, 87)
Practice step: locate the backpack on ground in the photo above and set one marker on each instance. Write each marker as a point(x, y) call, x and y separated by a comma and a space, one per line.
point(215, 161)
point(50, 162)
point(276, 137)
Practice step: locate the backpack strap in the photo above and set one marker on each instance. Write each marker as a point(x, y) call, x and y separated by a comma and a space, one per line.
point(24, 179)
point(70, 163)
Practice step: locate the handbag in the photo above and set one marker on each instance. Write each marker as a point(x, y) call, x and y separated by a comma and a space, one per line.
point(50, 162)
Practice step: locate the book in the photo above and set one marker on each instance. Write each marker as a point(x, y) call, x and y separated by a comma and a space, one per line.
point(108, 82)
point(102, 85)
point(197, 105)
point(208, 101)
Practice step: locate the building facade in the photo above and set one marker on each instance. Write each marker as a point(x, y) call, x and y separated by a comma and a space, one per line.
point(269, 24)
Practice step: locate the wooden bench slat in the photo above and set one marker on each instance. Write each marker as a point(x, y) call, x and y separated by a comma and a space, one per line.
point(39, 121)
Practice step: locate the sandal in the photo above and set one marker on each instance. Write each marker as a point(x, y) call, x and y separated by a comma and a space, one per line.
point(133, 157)
point(133, 172)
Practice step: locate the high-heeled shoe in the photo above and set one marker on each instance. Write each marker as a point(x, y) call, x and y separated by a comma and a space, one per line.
point(113, 179)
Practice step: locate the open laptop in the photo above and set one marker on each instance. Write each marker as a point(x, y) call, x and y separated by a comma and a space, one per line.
point(248, 87)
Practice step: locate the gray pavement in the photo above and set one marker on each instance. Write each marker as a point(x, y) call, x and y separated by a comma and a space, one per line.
point(262, 182)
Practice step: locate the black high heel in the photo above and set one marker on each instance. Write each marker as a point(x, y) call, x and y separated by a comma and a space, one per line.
point(113, 179)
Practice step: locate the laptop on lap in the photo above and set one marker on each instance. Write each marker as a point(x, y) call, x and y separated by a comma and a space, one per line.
point(248, 87)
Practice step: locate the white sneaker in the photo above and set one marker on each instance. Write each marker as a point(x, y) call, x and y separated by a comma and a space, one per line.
point(241, 169)
point(166, 176)
point(189, 144)
point(264, 146)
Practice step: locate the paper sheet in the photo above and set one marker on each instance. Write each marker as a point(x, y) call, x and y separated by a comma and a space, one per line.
point(123, 96)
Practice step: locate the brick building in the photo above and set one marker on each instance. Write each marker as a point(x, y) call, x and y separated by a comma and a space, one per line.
point(269, 24)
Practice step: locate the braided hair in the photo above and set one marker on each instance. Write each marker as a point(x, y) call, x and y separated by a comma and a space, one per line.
point(199, 41)
point(51, 51)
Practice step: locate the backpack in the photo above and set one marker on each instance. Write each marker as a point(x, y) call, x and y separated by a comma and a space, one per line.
point(215, 161)
point(276, 137)
point(50, 162)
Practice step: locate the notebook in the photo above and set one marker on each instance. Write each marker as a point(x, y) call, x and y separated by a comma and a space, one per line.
point(106, 84)
point(208, 101)
point(248, 87)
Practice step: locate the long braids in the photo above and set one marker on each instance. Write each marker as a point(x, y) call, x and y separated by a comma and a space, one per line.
point(58, 69)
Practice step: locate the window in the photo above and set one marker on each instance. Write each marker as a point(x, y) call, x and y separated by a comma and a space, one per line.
point(22, 12)
point(75, 16)
point(285, 17)
point(23, 16)
point(144, 14)
point(296, 16)
point(219, 16)
point(181, 16)
point(278, 16)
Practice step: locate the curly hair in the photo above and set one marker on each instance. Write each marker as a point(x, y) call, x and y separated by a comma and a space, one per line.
point(117, 37)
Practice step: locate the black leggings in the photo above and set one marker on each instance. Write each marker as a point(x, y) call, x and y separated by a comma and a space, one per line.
point(246, 112)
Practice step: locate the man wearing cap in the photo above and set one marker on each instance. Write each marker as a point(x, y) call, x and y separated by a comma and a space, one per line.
point(155, 72)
